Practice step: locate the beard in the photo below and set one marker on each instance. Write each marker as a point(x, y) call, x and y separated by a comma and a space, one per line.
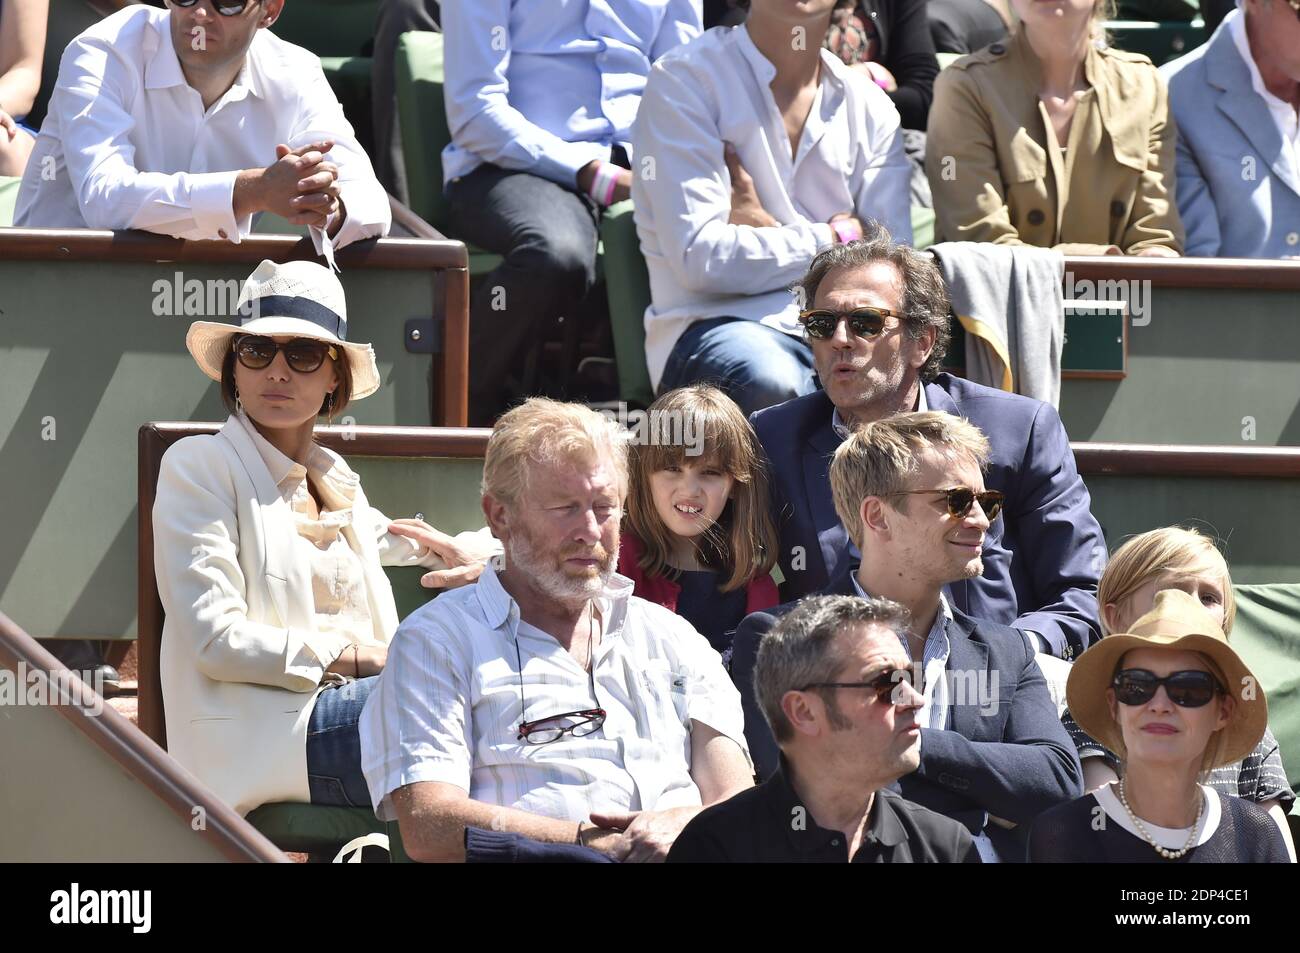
point(546, 574)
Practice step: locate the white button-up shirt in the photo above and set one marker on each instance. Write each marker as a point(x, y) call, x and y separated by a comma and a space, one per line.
point(546, 86)
point(717, 90)
point(127, 143)
point(1283, 113)
point(448, 706)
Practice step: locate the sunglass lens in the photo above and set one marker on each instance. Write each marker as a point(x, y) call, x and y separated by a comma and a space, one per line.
point(820, 326)
point(256, 353)
point(991, 503)
point(960, 500)
point(1190, 689)
point(867, 323)
point(1135, 688)
point(230, 8)
point(304, 358)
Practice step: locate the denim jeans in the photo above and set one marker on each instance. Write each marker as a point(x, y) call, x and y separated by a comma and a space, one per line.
point(755, 365)
point(334, 747)
point(547, 234)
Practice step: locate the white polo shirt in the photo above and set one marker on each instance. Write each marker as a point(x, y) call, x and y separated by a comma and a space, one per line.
point(448, 706)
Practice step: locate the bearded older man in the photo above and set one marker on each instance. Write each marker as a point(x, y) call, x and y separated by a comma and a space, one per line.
point(545, 709)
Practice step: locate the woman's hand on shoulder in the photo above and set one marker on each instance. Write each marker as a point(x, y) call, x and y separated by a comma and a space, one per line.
point(463, 556)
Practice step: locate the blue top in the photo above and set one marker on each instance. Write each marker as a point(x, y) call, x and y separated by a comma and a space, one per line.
point(715, 615)
point(546, 86)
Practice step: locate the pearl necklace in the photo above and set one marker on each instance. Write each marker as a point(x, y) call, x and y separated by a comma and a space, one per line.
point(1165, 852)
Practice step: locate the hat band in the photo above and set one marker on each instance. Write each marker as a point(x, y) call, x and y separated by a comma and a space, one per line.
point(294, 306)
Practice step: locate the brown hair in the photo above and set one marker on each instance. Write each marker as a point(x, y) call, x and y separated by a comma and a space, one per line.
point(878, 456)
point(342, 393)
point(925, 296)
point(744, 538)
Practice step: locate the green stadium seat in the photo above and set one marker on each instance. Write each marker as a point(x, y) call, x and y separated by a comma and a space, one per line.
point(1267, 634)
point(8, 199)
point(1161, 41)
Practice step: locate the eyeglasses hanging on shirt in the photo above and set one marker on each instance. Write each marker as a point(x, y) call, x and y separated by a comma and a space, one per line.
point(543, 731)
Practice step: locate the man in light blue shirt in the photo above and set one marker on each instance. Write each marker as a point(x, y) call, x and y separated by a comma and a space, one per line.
point(541, 95)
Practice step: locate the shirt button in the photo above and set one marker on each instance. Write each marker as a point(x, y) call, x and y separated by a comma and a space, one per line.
point(835, 842)
point(1116, 208)
point(1036, 216)
point(221, 232)
point(1292, 238)
point(997, 49)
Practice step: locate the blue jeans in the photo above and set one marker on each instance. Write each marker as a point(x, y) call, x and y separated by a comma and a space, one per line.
point(755, 365)
point(334, 746)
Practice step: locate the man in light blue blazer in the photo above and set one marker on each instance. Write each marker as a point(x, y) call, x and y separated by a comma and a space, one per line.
point(1235, 100)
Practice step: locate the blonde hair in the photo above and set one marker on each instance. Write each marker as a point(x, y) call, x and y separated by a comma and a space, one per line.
point(1175, 549)
point(877, 458)
point(549, 433)
point(743, 540)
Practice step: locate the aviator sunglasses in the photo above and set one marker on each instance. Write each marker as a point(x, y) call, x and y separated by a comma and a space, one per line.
point(1190, 689)
point(962, 498)
point(227, 8)
point(864, 322)
point(301, 354)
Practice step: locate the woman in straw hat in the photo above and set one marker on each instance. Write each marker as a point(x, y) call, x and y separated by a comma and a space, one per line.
point(1173, 557)
point(269, 558)
point(1175, 701)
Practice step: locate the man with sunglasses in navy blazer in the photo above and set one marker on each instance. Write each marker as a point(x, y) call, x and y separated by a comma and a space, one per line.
point(1042, 560)
point(994, 754)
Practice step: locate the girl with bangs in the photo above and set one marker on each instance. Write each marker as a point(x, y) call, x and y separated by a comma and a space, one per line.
point(1174, 557)
point(698, 537)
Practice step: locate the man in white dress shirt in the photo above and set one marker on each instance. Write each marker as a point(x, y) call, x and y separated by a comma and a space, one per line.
point(756, 150)
point(188, 122)
point(546, 700)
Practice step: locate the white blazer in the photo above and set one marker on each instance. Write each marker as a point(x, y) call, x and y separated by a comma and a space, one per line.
point(241, 661)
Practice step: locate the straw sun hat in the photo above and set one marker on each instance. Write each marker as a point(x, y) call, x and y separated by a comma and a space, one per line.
point(299, 298)
point(1177, 622)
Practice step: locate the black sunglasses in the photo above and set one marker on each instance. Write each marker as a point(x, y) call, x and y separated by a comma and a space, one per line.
point(301, 354)
point(962, 498)
point(227, 8)
point(1190, 689)
point(864, 322)
point(883, 685)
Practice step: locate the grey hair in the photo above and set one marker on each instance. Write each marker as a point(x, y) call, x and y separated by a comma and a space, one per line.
point(925, 296)
point(800, 650)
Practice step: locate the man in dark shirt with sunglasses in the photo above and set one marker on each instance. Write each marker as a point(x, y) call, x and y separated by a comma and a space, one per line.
point(993, 752)
point(877, 321)
point(833, 681)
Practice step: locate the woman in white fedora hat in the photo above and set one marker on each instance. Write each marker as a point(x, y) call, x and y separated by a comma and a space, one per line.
point(1173, 699)
point(269, 557)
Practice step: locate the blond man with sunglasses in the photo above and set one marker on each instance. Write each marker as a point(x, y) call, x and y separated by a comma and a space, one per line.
point(910, 491)
point(191, 120)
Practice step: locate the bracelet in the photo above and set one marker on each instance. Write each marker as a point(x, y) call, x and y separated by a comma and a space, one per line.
point(846, 230)
point(578, 838)
point(356, 666)
point(603, 183)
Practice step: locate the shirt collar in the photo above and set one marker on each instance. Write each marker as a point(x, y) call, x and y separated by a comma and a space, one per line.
point(1236, 21)
point(336, 481)
point(498, 606)
point(883, 825)
point(163, 67)
point(842, 429)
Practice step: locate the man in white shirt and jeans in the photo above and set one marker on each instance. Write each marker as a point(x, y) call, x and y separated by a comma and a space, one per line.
point(188, 121)
point(756, 149)
point(546, 700)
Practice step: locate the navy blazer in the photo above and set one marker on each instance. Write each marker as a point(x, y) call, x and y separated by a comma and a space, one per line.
point(1042, 557)
point(1013, 762)
point(1237, 195)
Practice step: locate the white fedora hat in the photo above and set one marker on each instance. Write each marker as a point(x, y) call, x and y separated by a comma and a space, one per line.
point(300, 298)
